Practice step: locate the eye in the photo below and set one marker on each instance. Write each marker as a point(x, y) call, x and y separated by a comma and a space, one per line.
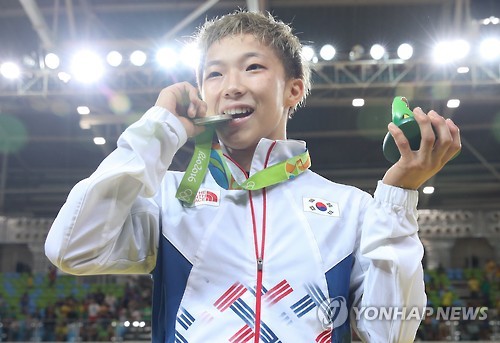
point(213, 74)
point(254, 66)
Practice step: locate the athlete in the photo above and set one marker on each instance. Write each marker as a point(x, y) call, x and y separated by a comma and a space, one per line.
point(254, 246)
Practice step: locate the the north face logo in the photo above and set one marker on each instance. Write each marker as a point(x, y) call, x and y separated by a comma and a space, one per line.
point(207, 197)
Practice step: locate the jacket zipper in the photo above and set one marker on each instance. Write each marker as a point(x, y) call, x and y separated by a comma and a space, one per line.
point(259, 257)
point(259, 253)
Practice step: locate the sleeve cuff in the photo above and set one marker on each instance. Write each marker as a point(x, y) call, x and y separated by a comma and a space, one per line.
point(161, 114)
point(397, 196)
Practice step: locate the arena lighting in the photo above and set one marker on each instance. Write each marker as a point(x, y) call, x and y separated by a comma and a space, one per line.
point(308, 53)
point(453, 103)
point(377, 51)
point(99, 140)
point(327, 52)
point(428, 190)
point(10, 70)
point(450, 51)
point(405, 51)
point(138, 58)
point(489, 49)
point(63, 76)
point(190, 55)
point(85, 125)
point(166, 58)
point(114, 58)
point(463, 70)
point(86, 66)
point(83, 110)
point(358, 102)
point(491, 20)
point(52, 61)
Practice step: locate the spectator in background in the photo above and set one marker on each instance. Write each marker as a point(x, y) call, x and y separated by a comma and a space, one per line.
point(490, 270)
point(52, 275)
point(49, 320)
point(474, 287)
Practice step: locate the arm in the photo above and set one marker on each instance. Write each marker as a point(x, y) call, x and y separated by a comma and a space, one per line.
point(388, 271)
point(109, 223)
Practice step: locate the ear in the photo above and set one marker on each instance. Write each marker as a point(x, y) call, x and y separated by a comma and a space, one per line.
point(294, 92)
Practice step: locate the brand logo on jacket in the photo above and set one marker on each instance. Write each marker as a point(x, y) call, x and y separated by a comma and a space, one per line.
point(210, 197)
point(321, 206)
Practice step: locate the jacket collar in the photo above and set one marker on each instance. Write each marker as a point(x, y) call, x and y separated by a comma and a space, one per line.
point(277, 150)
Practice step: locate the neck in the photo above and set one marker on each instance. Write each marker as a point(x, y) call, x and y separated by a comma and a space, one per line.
point(242, 157)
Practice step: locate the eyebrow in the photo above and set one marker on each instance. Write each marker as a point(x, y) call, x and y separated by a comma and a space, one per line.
point(244, 57)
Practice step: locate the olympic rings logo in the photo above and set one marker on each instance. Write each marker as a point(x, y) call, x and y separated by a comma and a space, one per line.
point(250, 185)
point(185, 195)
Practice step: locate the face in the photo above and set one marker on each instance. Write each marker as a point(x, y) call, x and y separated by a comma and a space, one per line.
point(247, 79)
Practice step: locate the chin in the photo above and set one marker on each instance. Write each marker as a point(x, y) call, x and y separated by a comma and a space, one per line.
point(236, 144)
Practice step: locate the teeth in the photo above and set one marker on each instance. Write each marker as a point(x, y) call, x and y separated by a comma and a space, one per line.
point(234, 111)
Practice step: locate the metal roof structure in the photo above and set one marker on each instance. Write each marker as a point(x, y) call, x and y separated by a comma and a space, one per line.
point(45, 151)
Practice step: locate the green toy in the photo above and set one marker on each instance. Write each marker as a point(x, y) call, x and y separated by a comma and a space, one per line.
point(403, 117)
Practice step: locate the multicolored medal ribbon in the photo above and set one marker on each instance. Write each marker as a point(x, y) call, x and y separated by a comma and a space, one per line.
point(206, 157)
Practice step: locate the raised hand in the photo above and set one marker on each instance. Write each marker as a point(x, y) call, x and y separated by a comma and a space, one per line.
point(183, 101)
point(440, 143)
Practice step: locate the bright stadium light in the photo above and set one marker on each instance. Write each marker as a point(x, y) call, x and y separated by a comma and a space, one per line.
point(377, 51)
point(358, 102)
point(190, 55)
point(52, 61)
point(86, 66)
point(166, 57)
point(441, 52)
point(308, 53)
point(450, 51)
point(63, 76)
point(10, 70)
point(99, 140)
point(114, 58)
point(327, 52)
point(83, 110)
point(461, 48)
point(405, 51)
point(490, 49)
point(453, 103)
point(138, 58)
point(428, 190)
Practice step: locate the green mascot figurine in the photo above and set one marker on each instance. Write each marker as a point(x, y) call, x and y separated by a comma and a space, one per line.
point(402, 116)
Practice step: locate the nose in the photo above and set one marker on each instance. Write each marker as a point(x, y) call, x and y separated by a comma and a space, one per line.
point(233, 86)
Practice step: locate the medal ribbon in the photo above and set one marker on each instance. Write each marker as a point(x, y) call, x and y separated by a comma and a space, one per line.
point(205, 153)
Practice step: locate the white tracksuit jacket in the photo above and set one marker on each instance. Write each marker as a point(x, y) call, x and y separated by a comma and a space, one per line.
point(287, 261)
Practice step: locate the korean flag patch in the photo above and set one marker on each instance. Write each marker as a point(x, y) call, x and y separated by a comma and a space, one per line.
point(321, 206)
